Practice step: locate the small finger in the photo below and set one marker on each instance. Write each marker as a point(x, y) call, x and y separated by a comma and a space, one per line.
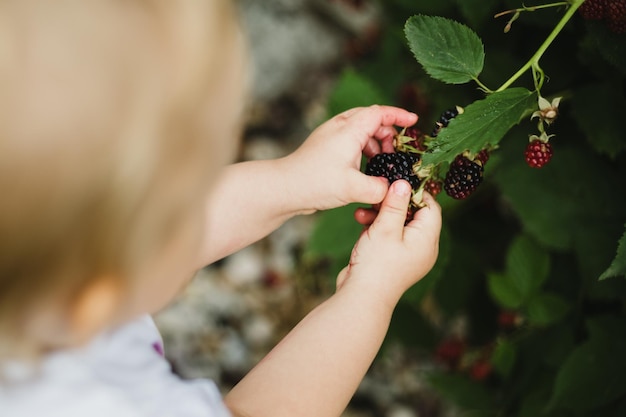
point(365, 216)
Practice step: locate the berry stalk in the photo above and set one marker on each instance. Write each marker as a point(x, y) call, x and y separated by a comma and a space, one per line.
point(533, 62)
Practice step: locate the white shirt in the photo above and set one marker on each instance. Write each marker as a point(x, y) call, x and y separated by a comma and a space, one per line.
point(120, 374)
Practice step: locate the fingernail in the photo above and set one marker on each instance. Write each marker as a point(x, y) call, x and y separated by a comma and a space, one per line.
point(401, 188)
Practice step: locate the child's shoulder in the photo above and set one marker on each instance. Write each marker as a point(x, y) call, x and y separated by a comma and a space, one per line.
point(122, 373)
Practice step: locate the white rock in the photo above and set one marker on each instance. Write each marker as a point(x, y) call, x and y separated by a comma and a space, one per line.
point(401, 411)
point(245, 267)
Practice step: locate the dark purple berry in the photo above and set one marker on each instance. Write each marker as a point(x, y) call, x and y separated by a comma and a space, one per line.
point(433, 187)
point(592, 9)
point(444, 120)
point(418, 138)
point(394, 166)
point(463, 177)
point(483, 156)
point(615, 15)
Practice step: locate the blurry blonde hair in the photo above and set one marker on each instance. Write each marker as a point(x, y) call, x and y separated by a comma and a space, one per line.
point(106, 116)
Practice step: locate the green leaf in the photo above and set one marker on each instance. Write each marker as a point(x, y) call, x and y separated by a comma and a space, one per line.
point(504, 357)
point(527, 265)
point(504, 291)
point(594, 374)
point(545, 309)
point(353, 90)
point(448, 51)
point(618, 266)
point(483, 122)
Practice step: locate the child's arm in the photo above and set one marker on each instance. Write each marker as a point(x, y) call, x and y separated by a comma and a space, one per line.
point(317, 367)
point(252, 199)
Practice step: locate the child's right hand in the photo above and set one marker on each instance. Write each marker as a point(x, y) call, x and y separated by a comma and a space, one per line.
point(390, 257)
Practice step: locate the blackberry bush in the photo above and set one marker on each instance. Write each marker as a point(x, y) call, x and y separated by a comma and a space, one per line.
point(542, 245)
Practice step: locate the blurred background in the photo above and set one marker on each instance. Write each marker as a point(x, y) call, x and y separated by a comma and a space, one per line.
point(513, 320)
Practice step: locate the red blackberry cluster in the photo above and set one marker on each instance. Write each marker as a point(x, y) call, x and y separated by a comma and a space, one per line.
point(418, 138)
point(483, 156)
point(394, 166)
point(612, 12)
point(433, 186)
point(538, 153)
point(463, 177)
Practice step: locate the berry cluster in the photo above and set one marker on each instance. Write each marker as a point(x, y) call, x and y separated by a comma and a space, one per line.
point(394, 166)
point(611, 12)
point(463, 177)
point(461, 180)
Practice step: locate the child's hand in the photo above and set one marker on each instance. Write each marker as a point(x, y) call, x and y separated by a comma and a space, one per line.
point(390, 257)
point(325, 171)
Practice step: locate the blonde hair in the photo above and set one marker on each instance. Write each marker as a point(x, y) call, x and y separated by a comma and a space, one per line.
point(106, 110)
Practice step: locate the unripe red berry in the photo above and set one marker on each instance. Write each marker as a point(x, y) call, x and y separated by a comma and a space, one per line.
point(480, 370)
point(538, 153)
point(450, 351)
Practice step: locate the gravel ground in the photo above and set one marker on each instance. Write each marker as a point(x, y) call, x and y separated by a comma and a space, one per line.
point(234, 312)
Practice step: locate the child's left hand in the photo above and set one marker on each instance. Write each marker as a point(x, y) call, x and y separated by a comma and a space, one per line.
point(325, 170)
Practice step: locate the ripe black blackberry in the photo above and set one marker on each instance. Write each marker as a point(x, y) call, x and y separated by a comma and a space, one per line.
point(463, 177)
point(394, 166)
point(444, 119)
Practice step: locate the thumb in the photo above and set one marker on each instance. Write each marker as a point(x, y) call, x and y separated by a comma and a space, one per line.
point(393, 209)
point(368, 189)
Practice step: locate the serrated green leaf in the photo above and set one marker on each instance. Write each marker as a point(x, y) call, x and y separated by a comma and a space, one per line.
point(447, 50)
point(618, 266)
point(482, 122)
point(527, 265)
point(504, 291)
point(545, 309)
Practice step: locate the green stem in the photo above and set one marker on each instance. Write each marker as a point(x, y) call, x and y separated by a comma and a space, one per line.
point(533, 8)
point(482, 86)
point(534, 60)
